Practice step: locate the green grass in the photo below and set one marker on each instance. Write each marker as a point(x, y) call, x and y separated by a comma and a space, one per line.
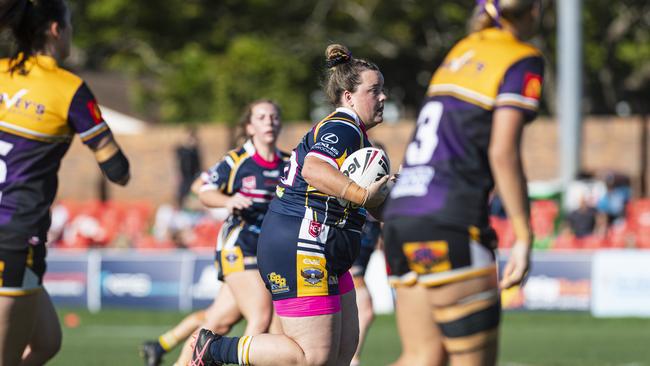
point(112, 338)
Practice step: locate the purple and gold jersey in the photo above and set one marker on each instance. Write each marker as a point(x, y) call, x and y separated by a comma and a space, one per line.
point(331, 140)
point(245, 172)
point(39, 114)
point(446, 173)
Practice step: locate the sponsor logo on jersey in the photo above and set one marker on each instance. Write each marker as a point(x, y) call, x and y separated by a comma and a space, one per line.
point(532, 86)
point(428, 257)
point(313, 276)
point(315, 228)
point(278, 283)
point(271, 173)
point(20, 103)
point(249, 182)
point(330, 138)
point(311, 262)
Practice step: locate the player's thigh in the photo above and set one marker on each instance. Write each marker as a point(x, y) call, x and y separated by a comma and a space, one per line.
point(468, 313)
point(47, 338)
point(17, 322)
point(318, 336)
point(349, 328)
point(250, 293)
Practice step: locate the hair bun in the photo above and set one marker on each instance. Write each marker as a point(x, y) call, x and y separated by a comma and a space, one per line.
point(337, 54)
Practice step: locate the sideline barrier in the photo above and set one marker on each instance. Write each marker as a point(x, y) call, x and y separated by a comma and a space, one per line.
point(186, 280)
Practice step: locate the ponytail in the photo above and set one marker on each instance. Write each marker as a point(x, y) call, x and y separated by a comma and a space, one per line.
point(29, 21)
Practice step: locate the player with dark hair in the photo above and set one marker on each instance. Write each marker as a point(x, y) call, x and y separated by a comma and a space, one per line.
point(437, 232)
point(41, 108)
point(243, 182)
point(309, 240)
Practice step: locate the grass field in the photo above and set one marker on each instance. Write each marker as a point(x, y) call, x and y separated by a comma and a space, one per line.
point(112, 338)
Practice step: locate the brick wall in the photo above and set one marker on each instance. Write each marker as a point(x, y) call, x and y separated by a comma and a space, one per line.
point(608, 143)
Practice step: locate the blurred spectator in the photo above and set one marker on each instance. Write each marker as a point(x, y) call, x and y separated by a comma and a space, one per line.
point(189, 164)
point(612, 204)
point(582, 221)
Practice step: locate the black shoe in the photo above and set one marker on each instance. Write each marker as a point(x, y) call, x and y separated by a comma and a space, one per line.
point(150, 352)
point(201, 355)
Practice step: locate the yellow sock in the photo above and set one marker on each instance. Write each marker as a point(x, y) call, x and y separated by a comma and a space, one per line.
point(168, 341)
point(243, 350)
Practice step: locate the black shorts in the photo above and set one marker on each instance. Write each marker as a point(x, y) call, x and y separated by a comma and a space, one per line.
point(236, 248)
point(22, 263)
point(420, 250)
point(298, 257)
point(369, 237)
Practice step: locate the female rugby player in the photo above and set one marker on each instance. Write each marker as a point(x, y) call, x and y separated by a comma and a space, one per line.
point(243, 182)
point(309, 240)
point(42, 106)
point(469, 130)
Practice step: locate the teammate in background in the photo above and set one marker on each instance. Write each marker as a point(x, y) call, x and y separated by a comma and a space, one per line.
point(42, 107)
point(309, 240)
point(370, 236)
point(437, 231)
point(243, 182)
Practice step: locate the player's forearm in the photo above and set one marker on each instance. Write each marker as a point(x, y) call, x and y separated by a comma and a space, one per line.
point(213, 198)
point(511, 183)
point(112, 161)
point(329, 180)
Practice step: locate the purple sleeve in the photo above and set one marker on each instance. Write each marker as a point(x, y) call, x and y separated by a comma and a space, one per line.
point(521, 87)
point(85, 117)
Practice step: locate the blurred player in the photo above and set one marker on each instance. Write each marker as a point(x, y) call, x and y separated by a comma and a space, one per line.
point(41, 108)
point(370, 236)
point(244, 183)
point(437, 231)
point(309, 240)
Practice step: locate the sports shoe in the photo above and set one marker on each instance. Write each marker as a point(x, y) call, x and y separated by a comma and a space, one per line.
point(151, 354)
point(201, 355)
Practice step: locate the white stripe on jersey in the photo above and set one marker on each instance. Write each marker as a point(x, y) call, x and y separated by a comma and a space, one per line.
point(331, 161)
point(506, 98)
point(313, 254)
point(310, 246)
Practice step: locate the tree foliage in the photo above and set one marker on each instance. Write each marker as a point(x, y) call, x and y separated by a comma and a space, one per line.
point(202, 60)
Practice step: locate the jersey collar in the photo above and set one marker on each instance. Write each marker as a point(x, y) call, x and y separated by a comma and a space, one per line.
point(353, 114)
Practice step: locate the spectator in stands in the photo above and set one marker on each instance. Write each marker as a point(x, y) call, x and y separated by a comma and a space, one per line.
point(582, 221)
point(612, 204)
point(189, 164)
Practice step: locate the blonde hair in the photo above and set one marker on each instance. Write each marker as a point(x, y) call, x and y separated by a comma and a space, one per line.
point(486, 16)
point(343, 72)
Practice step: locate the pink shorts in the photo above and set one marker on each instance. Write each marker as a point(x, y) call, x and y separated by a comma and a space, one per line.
point(299, 307)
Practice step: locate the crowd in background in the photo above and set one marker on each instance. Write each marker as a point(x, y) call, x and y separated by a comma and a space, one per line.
point(597, 212)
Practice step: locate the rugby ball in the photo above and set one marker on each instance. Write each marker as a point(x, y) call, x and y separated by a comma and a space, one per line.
point(365, 166)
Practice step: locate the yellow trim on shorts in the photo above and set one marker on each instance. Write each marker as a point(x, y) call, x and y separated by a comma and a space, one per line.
point(18, 292)
point(458, 277)
point(457, 311)
point(472, 342)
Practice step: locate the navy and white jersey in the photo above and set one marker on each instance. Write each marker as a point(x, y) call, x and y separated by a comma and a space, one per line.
point(332, 140)
point(245, 172)
point(446, 172)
